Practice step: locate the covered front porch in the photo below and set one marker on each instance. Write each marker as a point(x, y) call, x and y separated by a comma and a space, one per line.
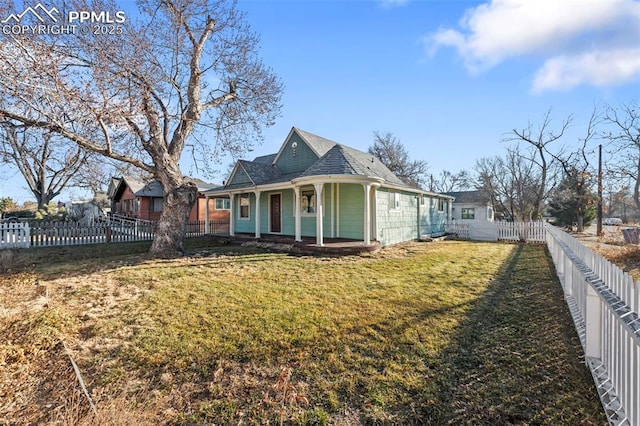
point(320, 210)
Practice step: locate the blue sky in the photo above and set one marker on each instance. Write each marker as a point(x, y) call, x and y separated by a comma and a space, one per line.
point(448, 78)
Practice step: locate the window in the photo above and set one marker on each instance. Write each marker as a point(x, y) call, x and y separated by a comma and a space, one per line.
point(490, 213)
point(394, 201)
point(468, 213)
point(308, 202)
point(156, 204)
point(440, 205)
point(136, 205)
point(423, 200)
point(222, 204)
point(244, 206)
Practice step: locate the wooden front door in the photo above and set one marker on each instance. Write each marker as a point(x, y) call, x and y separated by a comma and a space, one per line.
point(275, 214)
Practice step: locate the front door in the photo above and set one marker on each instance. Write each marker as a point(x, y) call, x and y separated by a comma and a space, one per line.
point(276, 207)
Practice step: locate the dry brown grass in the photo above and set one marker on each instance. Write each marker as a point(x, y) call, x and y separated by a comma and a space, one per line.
point(612, 246)
point(450, 332)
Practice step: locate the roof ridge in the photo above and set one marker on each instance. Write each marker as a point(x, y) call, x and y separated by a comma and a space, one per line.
point(348, 148)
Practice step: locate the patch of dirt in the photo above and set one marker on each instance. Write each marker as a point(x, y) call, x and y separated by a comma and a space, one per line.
point(37, 382)
point(279, 247)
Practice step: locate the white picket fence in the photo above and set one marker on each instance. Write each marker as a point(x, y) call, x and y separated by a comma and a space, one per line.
point(531, 232)
point(51, 234)
point(604, 302)
point(14, 235)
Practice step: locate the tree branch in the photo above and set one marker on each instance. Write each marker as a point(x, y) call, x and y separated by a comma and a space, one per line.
point(75, 138)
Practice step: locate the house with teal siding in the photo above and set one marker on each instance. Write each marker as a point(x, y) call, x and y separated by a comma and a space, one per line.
point(315, 187)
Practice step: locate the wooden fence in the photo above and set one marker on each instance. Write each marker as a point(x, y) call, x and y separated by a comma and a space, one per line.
point(530, 232)
point(604, 302)
point(50, 234)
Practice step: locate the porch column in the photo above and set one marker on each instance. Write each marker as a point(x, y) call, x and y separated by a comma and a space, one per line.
point(298, 206)
point(367, 213)
point(257, 194)
point(206, 214)
point(374, 211)
point(319, 210)
point(232, 215)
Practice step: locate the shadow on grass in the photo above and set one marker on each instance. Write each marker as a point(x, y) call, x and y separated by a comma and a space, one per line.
point(512, 358)
point(516, 358)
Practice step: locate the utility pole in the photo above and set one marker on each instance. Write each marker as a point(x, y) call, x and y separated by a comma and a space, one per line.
point(599, 226)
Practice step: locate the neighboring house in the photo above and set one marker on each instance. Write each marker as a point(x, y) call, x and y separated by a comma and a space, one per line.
point(84, 211)
point(315, 187)
point(471, 206)
point(143, 200)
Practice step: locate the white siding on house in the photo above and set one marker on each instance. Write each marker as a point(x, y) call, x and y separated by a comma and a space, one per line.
point(482, 213)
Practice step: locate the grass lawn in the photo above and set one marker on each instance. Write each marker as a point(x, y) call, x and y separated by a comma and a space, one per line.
point(420, 333)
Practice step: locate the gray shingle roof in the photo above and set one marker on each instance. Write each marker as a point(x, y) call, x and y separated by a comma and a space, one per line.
point(151, 189)
point(342, 160)
point(202, 185)
point(134, 185)
point(266, 159)
point(470, 197)
point(317, 143)
point(334, 159)
point(260, 173)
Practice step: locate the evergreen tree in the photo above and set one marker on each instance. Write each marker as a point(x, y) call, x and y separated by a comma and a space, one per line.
point(573, 202)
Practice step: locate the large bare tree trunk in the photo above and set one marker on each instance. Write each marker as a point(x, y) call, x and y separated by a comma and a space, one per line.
point(172, 226)
point(138, 96)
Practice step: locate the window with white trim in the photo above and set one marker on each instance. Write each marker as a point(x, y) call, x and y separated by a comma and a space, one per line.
point(222, 204)
point(308, 202)
point(245, 203)
point(468, 213)
point(394, 201)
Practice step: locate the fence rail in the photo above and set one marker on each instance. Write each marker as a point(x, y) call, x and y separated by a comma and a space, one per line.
point(604, 302)
point(51, 234)
point(531, 232)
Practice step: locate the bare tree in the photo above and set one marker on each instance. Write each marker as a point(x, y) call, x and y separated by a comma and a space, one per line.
point(623, 132)
point(447, 181)
point(578, 171)
point(511, 183)
point(392, 153)
point(47, 163)
point(540, 139)
point(184, 71)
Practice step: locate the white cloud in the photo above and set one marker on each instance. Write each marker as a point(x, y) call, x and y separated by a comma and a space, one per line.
point(392, 3)
point(563, 30)
point(599, 68)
